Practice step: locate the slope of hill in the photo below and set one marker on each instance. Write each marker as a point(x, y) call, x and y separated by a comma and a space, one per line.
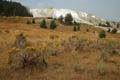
point(69, 55)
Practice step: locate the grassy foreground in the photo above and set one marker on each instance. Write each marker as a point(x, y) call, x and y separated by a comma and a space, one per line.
point(59, 54)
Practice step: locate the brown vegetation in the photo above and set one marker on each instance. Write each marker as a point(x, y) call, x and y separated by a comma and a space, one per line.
point(59, 54)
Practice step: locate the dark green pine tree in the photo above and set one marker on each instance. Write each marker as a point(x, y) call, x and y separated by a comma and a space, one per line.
point(53, 24)
point(43, 24)
point(68, 19)
point(114, 30)
point(60, 19)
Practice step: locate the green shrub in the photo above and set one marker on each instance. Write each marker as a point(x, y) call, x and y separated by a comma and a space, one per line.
point(78, 28)
point(28, 22)
point(53, 24)
point(21, 41)
point(102, 34)
point(109, 30)
point(112, 46)
point(33, 21)
point(74, 29)
point(114, 31)
point(60, 19)
point(43, 24)
point(87, 30)
point(101, 68)
point(104, 54)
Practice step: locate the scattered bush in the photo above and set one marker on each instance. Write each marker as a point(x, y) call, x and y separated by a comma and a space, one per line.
point(107, 49)
point(104, 54)
point(112, 46)
point(60, 19)
point(114, 31)
point(28, 22)
point(53, 51)
point(74, 29)
point(33, 21)
point(78, 28)
point(101, 68)
point(21, 41)
point(79, 68)
point(82, 43)
point(28, 57)
point(76, 43)
point(109, 30)
point(54, 36)
point(102, 34)
point(77, 25)
point(43, 24)
point(15, 60)
point(87, 30)
point(53, 24)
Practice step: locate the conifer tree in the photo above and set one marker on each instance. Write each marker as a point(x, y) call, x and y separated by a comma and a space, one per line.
point(53, 24)
point(43, 24)
point(68, 19)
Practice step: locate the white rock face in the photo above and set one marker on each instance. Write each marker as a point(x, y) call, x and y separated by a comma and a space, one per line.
point(41, 12)
point(81, 17)
point(63, 12)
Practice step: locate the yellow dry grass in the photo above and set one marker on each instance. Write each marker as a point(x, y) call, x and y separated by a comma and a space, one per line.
point(63, 66)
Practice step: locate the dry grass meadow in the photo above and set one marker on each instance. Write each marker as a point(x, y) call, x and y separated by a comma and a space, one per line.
point(65, 54)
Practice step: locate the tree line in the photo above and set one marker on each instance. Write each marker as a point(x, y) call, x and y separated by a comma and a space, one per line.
point(10, 8)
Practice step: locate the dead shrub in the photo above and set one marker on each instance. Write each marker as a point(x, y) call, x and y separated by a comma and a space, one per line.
point(78, 68)
point(7, 31)
point(54, 49)
point(112, 46)
point(54, 36)
point(28, 57)
point(82, 44)
point(75, 43)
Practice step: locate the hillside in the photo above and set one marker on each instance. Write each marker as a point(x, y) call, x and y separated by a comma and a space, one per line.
point(78, 16)
point(60, 54)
